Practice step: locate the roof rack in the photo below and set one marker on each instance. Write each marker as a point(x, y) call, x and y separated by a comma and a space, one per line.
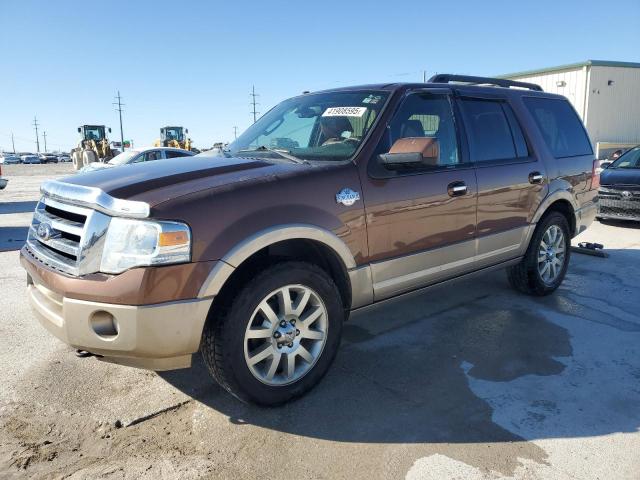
point(499, 82)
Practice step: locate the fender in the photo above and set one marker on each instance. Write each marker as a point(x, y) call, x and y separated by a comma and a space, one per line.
point(557, 191)
point(259, 240)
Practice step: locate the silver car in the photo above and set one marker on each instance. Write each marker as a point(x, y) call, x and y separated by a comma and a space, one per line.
point(137, 156)
point(9, 158)
point(31, 159)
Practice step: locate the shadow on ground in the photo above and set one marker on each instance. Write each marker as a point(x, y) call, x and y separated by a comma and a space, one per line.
point(408, 385)
point(12, 238)
point(17, 207)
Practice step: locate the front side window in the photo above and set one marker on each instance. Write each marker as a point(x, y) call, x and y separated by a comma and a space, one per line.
point(428, 119)
point(488, 130)
point(560, 126)
point(324, 126)
point(152, 155)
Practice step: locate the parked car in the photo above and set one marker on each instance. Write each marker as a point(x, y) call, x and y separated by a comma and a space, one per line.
point(9, 158)
point(3, 181)
point(619, 192)
point(64, 158)
point(30, 158)
point(256, 258)
point(133, 156)
point(48, 158)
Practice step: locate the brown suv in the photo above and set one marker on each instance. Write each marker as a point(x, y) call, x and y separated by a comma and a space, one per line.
point(330, 202)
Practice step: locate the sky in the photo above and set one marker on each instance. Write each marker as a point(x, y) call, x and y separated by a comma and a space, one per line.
point(193, 63)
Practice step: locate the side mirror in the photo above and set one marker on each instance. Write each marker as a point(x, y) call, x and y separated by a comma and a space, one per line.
point(605, 164)
point(412, 152)
point(79, 130)
point(109, 129)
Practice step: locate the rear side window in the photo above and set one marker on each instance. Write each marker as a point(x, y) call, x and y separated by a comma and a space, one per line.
point(560, 126)
point(174, 154)
point(492, 135)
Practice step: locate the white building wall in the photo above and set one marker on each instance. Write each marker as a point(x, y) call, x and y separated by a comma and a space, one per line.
point(613, 111)
point(574, 88)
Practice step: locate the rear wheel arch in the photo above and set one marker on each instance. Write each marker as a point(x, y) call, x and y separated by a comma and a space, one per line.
point(565, 208)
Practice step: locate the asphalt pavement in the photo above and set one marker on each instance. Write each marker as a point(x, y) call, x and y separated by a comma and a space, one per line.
point(468, 381)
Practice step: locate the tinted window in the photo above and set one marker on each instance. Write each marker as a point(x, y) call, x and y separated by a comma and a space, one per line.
point(516, 132)
point(430, 116)
point(560, 126)
point(173, 154)
point(488, 130)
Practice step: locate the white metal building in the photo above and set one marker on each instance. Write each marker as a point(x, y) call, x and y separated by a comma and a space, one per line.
point(606, 95)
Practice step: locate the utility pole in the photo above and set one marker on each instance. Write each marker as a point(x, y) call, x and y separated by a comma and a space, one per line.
point(119, 110)
point(254, 103)
point(35, 125)
point(235, 133)
point(424, 76)
point(44, 134)
point(13, 143)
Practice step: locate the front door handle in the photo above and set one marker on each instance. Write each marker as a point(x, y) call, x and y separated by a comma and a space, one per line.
point(457, 189)
point(535, 177)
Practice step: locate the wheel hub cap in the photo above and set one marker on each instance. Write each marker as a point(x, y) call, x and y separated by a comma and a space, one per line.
point(285, 335)
point(551, 254)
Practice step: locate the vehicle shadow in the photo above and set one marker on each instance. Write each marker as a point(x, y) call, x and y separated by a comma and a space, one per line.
point(620, 223)
point(17, 207)
point(405, 371)
point(12, 238)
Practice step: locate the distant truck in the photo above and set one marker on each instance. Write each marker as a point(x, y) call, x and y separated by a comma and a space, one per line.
point(92, 147)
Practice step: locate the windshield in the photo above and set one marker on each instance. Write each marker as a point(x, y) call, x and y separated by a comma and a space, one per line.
point(173, 133)
point(323, 126)
point(630, 159)
point(93, 133)
point(124, 157)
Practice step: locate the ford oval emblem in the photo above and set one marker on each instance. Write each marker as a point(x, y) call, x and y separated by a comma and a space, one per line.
point(626, 194)
point(347, 197)
point(44, 231)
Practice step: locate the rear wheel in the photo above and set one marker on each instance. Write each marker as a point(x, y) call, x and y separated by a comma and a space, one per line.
point(545, 264)
point(277, 338)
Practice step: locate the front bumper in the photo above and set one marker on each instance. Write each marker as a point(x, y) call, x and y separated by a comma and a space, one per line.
point(157, 337)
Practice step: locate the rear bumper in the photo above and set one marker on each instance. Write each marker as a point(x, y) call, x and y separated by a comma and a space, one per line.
point(157, 337)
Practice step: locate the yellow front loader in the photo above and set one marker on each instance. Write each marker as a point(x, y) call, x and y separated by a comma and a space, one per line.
point(174, 137)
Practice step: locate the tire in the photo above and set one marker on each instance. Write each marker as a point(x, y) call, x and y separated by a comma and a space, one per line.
point(530, 275)
point(227, 351)
point(88, 156)
point(76, 158)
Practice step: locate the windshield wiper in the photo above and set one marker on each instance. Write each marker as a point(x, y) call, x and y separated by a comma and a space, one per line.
point(283, 153)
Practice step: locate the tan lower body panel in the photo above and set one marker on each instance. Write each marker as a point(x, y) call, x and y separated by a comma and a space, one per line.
point(159, 337)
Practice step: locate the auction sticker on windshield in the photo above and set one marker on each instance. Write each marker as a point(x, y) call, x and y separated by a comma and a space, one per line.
point(344, 112)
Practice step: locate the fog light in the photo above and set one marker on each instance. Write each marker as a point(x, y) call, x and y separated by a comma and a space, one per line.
point(104, 324)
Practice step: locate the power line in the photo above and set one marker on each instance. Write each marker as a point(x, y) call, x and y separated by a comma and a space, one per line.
point(119, 110)
point(35, 125)
point(253, 103)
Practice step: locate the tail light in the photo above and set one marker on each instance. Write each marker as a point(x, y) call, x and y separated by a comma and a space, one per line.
point(595, 174)
point(0, 170)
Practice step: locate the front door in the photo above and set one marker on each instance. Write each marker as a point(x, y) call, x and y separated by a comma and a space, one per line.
point(421, 218)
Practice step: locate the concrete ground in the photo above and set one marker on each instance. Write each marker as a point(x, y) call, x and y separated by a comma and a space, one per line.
point(470, 381)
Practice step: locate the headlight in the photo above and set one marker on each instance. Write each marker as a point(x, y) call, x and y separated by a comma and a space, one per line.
point(135, 243)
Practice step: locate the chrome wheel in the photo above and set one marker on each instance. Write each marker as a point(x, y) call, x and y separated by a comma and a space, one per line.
point(286, 335)
point(551, 254)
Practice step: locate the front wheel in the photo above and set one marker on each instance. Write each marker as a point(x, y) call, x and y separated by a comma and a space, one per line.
point(278, 337)
point(545, 264)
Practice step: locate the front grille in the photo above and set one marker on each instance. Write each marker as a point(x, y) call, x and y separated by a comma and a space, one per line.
point(619, 200)
point(67, 238)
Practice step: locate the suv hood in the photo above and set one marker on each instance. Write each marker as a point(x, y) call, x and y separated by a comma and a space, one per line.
point(620, 176)
point(167, 179)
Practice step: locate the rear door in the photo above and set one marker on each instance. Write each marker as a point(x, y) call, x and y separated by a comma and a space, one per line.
point(511, 177)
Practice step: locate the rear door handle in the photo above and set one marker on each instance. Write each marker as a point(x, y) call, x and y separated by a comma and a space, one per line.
point(535, 177)
point(457, 189)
